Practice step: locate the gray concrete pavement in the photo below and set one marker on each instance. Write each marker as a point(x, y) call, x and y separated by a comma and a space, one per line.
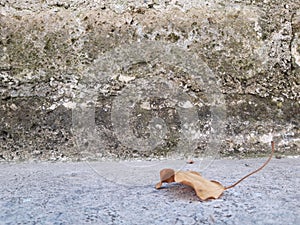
point(124, 193)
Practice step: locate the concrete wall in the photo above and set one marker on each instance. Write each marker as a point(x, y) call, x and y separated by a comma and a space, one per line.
point(82, 79)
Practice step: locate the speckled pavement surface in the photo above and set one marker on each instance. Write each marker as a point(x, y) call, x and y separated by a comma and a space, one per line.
point(124, 193)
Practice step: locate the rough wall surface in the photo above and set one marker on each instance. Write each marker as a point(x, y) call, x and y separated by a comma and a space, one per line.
point(53, 52)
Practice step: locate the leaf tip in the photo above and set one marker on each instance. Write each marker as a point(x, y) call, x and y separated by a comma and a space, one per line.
point(158, 185)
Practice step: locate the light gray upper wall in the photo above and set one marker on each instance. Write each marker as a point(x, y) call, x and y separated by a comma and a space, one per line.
point(53, 51)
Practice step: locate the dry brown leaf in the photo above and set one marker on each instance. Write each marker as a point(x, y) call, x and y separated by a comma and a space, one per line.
point(205, 189)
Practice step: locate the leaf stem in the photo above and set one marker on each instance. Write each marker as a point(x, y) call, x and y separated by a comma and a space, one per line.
point(255, 171)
